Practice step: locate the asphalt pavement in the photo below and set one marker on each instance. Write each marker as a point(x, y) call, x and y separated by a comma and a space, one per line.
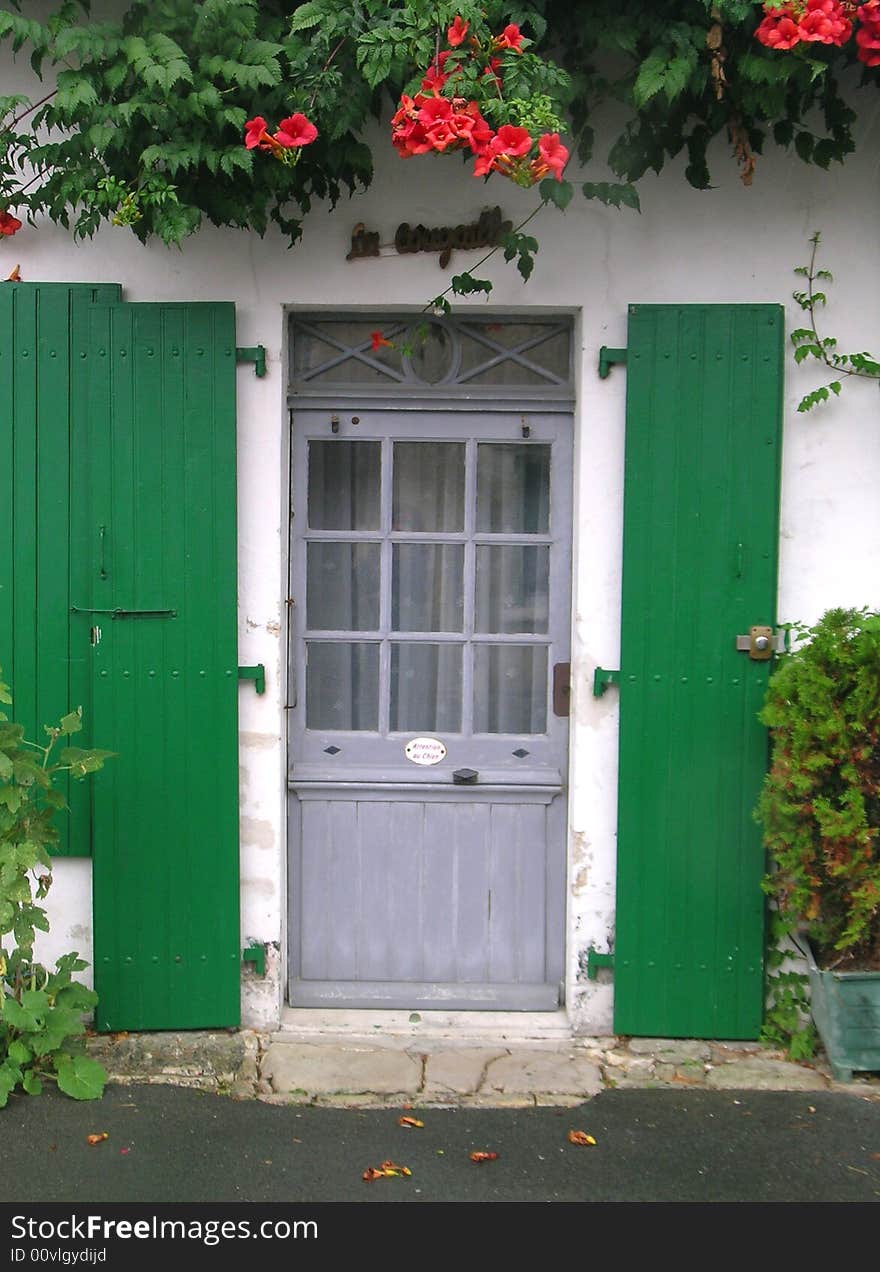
point(166, 1144)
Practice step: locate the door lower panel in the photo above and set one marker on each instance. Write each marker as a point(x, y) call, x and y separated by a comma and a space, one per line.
point(450, 900)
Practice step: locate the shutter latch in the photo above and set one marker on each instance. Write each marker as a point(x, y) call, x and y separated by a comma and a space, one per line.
point(257, 674)
point(255, 354)
point(609, 358)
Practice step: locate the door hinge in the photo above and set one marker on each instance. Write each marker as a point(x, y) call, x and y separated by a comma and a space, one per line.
point(609, 358)
point(602, 678)
point(595, 960)
point(255, 954)
point(255, 354)
point(257, 674)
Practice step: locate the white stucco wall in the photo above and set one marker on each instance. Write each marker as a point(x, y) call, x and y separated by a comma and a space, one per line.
point(729, 244)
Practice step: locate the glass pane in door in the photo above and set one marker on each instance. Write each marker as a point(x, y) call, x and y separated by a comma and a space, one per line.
point(344, 484)
point(425, 688)
point(513, 585)
point(513, 488)
point(342, 586)
point(342, 685)
point(429, 486)
point(510, 688)
point(427, 587)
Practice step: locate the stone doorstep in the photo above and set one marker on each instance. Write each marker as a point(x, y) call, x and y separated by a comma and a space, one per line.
point(286, 1069)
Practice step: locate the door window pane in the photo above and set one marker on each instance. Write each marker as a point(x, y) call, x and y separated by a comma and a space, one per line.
point(510, 688)
point(425, 688)
point(342, 588)
point(342, 685)
point(344, 483)
point(427, 587)
point(512, 588)
point(429, 486)
point(513, 488)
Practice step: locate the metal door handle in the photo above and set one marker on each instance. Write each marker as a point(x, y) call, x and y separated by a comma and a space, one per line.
point(465, 777)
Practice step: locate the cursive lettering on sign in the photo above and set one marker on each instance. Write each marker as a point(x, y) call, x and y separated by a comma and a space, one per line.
point(486, 232)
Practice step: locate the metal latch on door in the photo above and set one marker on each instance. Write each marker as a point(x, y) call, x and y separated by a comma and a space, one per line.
point(761, 643)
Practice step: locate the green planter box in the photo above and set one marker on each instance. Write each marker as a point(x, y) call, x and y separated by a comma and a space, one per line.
point(846, 1010)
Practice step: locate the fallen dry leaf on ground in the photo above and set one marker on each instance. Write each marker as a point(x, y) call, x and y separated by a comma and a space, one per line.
point(387, 1170)
point(96, 1139)
point(409, 1121)
point(580, 1137)
point(483, 1157)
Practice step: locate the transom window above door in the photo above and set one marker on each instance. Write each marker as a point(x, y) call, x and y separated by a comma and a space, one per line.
point(486, 358)
point(428, 585)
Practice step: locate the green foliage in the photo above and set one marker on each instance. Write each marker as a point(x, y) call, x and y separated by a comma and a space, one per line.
point(40, 1010)
point(690, 71)
point(820, 803)
point(787, 1022)
point(809, 344)
point(150, 108)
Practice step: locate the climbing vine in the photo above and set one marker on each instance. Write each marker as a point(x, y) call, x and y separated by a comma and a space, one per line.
point(808, 343)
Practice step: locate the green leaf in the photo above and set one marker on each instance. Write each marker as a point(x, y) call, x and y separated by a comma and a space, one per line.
point(81, 761)
point(71, 723)
point(80, 1077)
point(556, 192)
point(466, 285)
point(17, 1017)
point(19, 1053)
point(615, 194)
point(306, 16)
point(650, 79)
point(31, 1083)
point(10, 1076)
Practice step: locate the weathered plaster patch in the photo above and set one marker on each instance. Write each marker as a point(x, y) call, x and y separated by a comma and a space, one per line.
point(260, 887)
point(257, 833)
point(79, 932)
point(273, 628)
point(258, 741)
point(580, 880)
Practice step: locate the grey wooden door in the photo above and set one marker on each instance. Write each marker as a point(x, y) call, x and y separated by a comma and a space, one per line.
point(431, 577)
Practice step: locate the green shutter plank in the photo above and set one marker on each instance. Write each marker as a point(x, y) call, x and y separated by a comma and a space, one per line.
point(47, 669)
point(160, 469)
point(700, 558)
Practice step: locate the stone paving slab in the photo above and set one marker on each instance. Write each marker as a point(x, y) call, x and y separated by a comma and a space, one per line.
point(327, 1070)
point(757, 1074)
point(458, 1071)
point(561, 1073)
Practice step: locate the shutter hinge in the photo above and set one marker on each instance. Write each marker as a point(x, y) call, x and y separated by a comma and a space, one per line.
point(602, 678)
point(609, 358)
point(255, 354)
point(595, 960)
point(257, 674)
point(255, 954)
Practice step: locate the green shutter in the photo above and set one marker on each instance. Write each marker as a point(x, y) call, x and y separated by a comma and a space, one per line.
point(704, 396)
point(153, 429)
point(47, 667)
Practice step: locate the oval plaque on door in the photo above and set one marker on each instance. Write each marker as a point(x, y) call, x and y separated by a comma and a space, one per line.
point(425, 750)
